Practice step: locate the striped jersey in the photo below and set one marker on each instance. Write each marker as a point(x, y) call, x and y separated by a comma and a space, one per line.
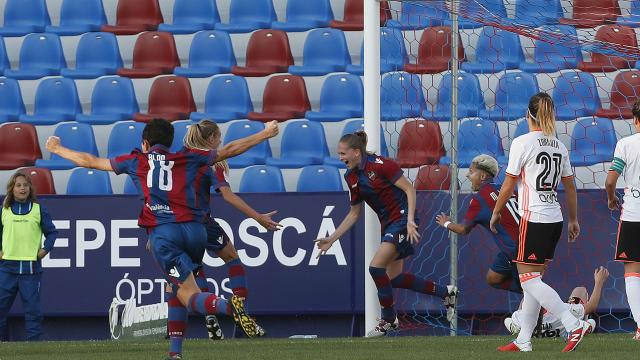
point(626, 162)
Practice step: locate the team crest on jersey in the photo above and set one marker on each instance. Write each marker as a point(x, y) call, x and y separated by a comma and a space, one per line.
point(371, 175)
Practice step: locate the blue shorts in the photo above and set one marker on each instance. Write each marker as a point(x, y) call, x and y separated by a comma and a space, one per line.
point(503, 265)
point(396, 234)
point(217, 239)
point(178, 249)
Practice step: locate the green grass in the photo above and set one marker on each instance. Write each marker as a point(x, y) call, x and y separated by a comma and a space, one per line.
point(402, 348)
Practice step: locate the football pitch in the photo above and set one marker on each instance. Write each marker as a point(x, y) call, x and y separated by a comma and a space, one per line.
point(464, 347)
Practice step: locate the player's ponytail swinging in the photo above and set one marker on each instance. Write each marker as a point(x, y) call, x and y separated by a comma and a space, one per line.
point(542, 113)
point(198, 136)
point(357, 140)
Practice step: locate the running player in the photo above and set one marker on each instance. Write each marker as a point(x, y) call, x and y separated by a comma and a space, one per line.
point(380, 183)
point(537, 162)
point(626, 162)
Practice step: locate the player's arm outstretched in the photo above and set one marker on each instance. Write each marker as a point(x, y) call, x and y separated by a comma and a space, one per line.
point(600, 276)
point(325, 244)
point(239, 146)
point(81, 159)
point(445, 221)
point(237, 202)
point(412, 228)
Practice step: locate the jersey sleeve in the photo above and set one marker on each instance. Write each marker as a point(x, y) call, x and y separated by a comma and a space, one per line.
point(203, 157)
point(567, 170)
point(125, 164)
point(390, 170)
point(472, 212)
point(220, 178)
point(516, 159)
point(619, 159)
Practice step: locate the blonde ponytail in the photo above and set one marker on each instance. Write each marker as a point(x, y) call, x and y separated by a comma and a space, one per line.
point(198, 135)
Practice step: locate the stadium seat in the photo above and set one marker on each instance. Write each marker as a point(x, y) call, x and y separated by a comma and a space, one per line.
point(262, 178)
point(227, 99)
point(75, 136)
point(97, 55)
point(522, 128)
point(22, 17)
point(56, 101)
point(350, 128)
point(434, 53)
point(303, 15)
point(592, 141)
point(268, 52)
point(611, 35)
point(11, 104)
point(353, 19)
point(419, 15)
point(40, 55)
point(325, 51)
point(488, 10)
point(130, 187)
point(316, 178)
point(89, 182)
point(342, 97)
point(4, 60)
point(592, 13)
point(18, 146)
point(393, 53)
point(575, 95)
point(190, 16)
point(512, 96)
point(257, 155)
point(534, 13)
point(477, 136)
point(470, 98)
point(633, 20)
point(420, 143)
point(170, 98)
point(249, 15)
point(154, 54)
point(401, 96)
point(180, 129)
point(303, 143)
point(211, 53)
point(78, 17)
point(624, 93)
point(41, 179)
point(284, 97)
point(560, 51)
point(433, 177)
point(124, 137)
point(497, 50)
point(113, 99)
point(135, 16)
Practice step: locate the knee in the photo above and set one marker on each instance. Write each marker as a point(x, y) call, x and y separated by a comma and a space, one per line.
point(494, 279)
point(228, 254)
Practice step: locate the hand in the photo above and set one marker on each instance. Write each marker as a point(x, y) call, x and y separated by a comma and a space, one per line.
point(412, 232)
point(600, 275)
point(574, 231)
point(495, 220)
point(323, 244)
point(53, 144)
point(442, 218)
point(266, 221)
point(614, 204)
point(271, 129)
point(42, 253)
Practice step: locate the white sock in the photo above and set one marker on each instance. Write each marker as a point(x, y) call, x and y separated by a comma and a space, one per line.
point(549, 299)
point(632, 285)
point(527, 318)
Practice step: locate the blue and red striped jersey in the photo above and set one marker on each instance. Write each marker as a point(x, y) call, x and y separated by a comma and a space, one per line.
point(169, 182)
point(213, 179)
point(372, 182)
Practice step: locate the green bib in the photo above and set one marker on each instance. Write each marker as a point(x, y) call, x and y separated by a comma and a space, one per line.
point(21, 234)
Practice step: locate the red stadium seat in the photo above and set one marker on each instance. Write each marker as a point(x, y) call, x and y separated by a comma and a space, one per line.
point(624, 92)
point(135, 16)
point(434, 53)
point(433, 177)
point(612, 34)
point(268, 52)
point(354, 16)
point(18, 146)
point(420, 143)
point(285, 97)
point(154, 54)
point(170, 98)
point(41, 179)
point(591, 13)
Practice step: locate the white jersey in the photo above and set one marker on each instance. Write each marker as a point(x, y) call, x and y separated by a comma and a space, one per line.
point(551, 325)
point(626, 161)
point(540, 162)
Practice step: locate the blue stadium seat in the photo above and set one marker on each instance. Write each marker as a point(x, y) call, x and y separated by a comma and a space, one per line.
point(303, 143)
point(98, 54)
point(75, 136)
point(317, 178)
point(633, 20)
point(4, 60)
point(113, 99)
point(303, 15)
point(477, 136)
point(248, 15)
point(325, 51)
point(256, 155)
point(401, 96)
point(40, 55)
point(124, 137)
point(22, 17)
point(575, 95)
point(512, 96)
point(535, 13)
point(593, 141)
point(262, 178)
point(497, 50)
point(78, 17)
point(11, 104)
point(89, 182)
point(489, 10)
point(179, 131)
point(190, 16)
point(350, 128)
point(420, 15)
point(342, 97)
point(227, 99)
point(130, 187)
point(563, 52)
point(522, 128)
point(470, 99)
point(393, 53)
point(211, 53)
point(56, 101)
